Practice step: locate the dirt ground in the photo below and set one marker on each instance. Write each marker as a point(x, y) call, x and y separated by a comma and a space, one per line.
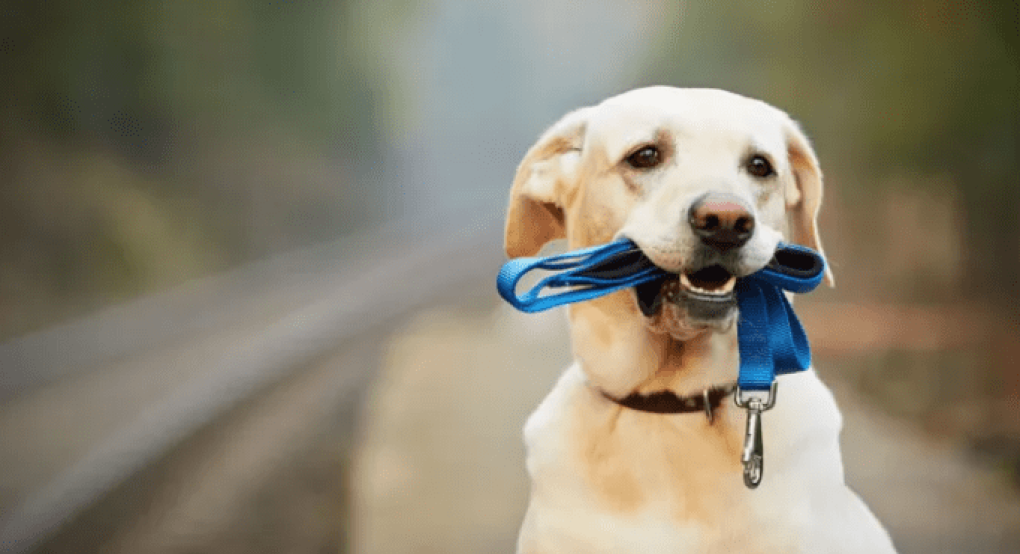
point(440, 468)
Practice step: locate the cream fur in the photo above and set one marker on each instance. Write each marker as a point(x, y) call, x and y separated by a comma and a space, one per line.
point(609, 479)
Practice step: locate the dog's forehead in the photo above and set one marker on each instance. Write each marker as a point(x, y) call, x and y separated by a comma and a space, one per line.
point(688, 115)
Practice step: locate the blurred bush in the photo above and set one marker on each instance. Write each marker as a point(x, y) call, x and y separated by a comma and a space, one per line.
point(143, 143)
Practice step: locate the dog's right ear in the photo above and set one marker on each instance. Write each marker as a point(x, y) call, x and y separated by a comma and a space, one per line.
point(544, 179)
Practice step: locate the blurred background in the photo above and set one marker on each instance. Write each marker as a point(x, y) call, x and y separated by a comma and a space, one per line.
point(247, 251)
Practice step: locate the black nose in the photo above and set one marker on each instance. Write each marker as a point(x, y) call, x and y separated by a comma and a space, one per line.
point(721, 220)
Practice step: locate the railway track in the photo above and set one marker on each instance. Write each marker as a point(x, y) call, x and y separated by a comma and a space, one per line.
point(82, 419)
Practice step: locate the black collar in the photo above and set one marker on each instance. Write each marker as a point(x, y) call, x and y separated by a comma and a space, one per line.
point(666, 402)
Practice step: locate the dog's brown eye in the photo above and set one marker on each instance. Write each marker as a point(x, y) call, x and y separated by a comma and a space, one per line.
point(760, 167)
point(646, 157)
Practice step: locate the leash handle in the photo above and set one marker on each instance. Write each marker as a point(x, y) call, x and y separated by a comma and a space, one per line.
point(771, 338)
point(589, 273)
point(599, 270)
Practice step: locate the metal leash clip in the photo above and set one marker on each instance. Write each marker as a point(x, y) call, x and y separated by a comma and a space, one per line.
point(753, 456)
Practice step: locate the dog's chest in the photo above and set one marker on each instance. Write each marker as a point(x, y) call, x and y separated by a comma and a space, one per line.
point(612, 481)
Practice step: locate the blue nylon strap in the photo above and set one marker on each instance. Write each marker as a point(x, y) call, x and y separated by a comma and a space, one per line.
point(575, 272)
point(771, 339)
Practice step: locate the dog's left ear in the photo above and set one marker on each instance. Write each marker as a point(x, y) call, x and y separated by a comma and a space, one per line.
point(804, 195)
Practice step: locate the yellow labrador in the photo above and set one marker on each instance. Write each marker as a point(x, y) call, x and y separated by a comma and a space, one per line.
point(706, 182)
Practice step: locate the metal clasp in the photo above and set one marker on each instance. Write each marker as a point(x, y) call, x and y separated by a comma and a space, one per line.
point(753, 455)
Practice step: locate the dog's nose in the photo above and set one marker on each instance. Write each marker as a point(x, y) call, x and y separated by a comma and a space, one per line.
point(721, 220)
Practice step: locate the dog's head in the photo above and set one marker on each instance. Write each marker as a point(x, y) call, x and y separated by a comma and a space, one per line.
point(706, 182)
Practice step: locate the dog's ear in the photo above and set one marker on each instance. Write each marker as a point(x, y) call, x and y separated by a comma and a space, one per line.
point(544, 177)
point(804, 194)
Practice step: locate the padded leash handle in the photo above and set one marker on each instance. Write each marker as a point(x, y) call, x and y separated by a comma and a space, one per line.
point(772, 340)
point(588, 273)
point(600, 270)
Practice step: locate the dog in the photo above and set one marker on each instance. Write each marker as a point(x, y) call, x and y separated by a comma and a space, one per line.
point(706, 183)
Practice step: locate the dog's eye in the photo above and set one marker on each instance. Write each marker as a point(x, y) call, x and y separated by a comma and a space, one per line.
point(646, 157)
point(759, 167)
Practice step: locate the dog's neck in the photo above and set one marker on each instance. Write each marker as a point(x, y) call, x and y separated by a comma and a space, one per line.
point(687, 367)
point(622, 356)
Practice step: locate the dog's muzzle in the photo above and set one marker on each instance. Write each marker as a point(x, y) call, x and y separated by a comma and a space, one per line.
point(706, 294)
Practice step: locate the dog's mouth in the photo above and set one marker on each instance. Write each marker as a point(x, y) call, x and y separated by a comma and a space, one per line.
point(700, 296)
point(713, 283)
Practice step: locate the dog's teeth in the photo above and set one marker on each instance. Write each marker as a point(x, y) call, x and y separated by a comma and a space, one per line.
point(725, 289)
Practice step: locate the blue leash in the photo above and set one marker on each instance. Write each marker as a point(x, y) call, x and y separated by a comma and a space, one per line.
point(770, 337)
point(621, 263)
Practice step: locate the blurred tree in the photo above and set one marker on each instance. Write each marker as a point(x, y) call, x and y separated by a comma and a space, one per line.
point(143, 142)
